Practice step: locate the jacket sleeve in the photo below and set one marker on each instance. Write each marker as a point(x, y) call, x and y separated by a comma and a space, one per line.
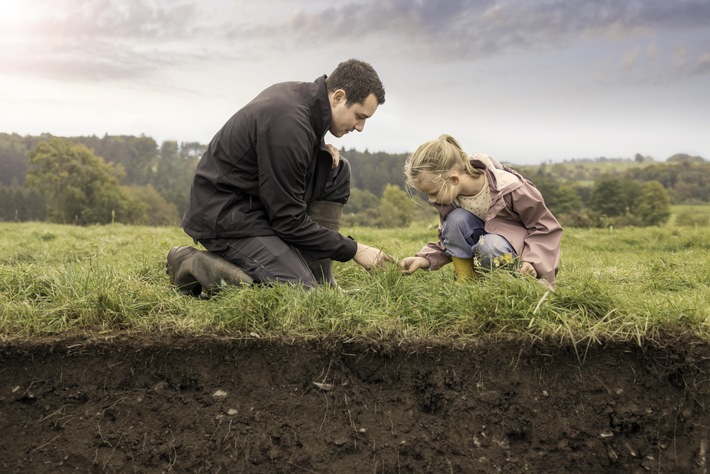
point(435, 252)
point(285, 152)
point(541, 246)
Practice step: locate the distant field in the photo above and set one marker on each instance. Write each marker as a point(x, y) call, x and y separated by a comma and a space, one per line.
point(584, 172)
point(698, 210)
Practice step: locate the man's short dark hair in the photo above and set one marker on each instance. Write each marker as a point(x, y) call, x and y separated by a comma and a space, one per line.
point(358, 79)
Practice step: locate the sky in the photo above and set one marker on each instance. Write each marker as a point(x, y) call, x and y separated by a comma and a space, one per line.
point(527, 81)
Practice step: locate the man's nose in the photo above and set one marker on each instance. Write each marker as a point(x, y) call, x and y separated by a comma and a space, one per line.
point(360, 126)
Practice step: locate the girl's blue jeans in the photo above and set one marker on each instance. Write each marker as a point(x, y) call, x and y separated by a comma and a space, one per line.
point(464, 237)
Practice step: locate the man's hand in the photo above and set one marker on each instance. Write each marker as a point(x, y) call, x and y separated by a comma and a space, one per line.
point(371, 258)
point(336, 154)
point(526, 268)
point(412, 264)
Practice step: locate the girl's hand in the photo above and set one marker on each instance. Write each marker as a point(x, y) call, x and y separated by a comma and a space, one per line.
point(412, 264)
point(526, 268)
point(371, 258)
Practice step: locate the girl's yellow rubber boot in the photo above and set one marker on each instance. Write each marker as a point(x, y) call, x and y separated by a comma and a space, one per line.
point(463, 268)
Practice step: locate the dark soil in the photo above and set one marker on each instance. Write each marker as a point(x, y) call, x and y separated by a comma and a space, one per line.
point(159, 404)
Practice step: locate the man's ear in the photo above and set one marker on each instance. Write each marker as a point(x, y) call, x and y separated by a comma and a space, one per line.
point(338, 97)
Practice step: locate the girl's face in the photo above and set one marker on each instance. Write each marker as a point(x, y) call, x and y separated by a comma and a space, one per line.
point(439, 189)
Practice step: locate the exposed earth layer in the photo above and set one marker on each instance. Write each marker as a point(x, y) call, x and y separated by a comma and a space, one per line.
point(156, 403)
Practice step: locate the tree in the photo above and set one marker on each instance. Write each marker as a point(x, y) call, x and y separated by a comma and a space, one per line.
point(653, 206)
point(559, 198)
point(20, 204)
point(361, 200)
point(395, 207)
point(13, 159)
point(685, 158)
point(374, 171)
point(613, 196)
point(79, 186)
point(174, 171)
point(148, 207)
point(137, 155)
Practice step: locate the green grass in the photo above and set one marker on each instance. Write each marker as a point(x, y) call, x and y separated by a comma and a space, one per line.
point(625, 284)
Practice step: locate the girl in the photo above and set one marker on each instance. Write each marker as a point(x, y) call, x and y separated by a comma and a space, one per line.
point(489, 214)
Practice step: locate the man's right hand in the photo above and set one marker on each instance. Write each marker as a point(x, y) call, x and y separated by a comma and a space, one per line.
point(412, 264)
point(371, 258)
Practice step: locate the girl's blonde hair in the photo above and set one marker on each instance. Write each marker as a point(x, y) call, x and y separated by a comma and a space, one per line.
point(438, 157)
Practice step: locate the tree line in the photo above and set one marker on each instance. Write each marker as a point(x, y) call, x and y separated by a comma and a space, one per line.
point(133, 180)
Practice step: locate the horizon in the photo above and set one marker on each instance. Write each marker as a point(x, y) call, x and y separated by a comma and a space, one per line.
point(647, 159)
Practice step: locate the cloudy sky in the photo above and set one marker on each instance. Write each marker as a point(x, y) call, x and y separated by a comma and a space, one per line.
point(524, 80)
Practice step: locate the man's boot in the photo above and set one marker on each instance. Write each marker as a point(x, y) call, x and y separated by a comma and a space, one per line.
point(194, 271)
point(327, 214)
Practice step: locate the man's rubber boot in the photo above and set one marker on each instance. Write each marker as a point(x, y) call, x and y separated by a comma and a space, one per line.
point(194, 271)
point(327, 214)
point(178, 268)
point(463, 268)
point(214, 272)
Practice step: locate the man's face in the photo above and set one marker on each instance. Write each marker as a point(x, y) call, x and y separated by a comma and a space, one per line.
point(349, 117)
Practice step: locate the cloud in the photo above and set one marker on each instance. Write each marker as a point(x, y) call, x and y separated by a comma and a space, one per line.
point(703, 65)
point(106, 40)
point(99, 40)
point(75, 20)
point(463, 29)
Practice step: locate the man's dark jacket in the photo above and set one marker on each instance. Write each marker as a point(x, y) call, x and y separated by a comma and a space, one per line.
point(263, 167)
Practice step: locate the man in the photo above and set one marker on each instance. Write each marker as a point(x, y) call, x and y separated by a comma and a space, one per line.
point(268, 193)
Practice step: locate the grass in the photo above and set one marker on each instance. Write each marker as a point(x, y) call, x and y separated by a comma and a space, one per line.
point(624, 284)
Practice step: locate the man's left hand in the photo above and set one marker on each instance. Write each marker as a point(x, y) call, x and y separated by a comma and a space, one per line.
point(336, 154)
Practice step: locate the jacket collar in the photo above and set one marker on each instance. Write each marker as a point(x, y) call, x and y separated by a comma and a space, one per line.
point(502, 176)
point(319, 106)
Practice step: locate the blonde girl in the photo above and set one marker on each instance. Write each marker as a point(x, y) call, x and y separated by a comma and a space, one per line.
point(489, 214)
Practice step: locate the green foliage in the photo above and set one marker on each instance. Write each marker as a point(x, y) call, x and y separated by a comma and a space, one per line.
point(148, 207)
point(20, 204)
point(559, 198)
point(361, 200)
point(79, 187)
point(692, 218)
point(361, 208)
point(395, 208)
point(685, 158)
point(687, 179)
point(137, 155)
point(620, 201)
point(374, 171)
point(653, 204)
point(613, 196)
point(687, 182)
point(169, 170)
point(13, 159)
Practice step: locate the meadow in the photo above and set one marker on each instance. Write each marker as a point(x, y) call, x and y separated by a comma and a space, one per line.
point(613, 284)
